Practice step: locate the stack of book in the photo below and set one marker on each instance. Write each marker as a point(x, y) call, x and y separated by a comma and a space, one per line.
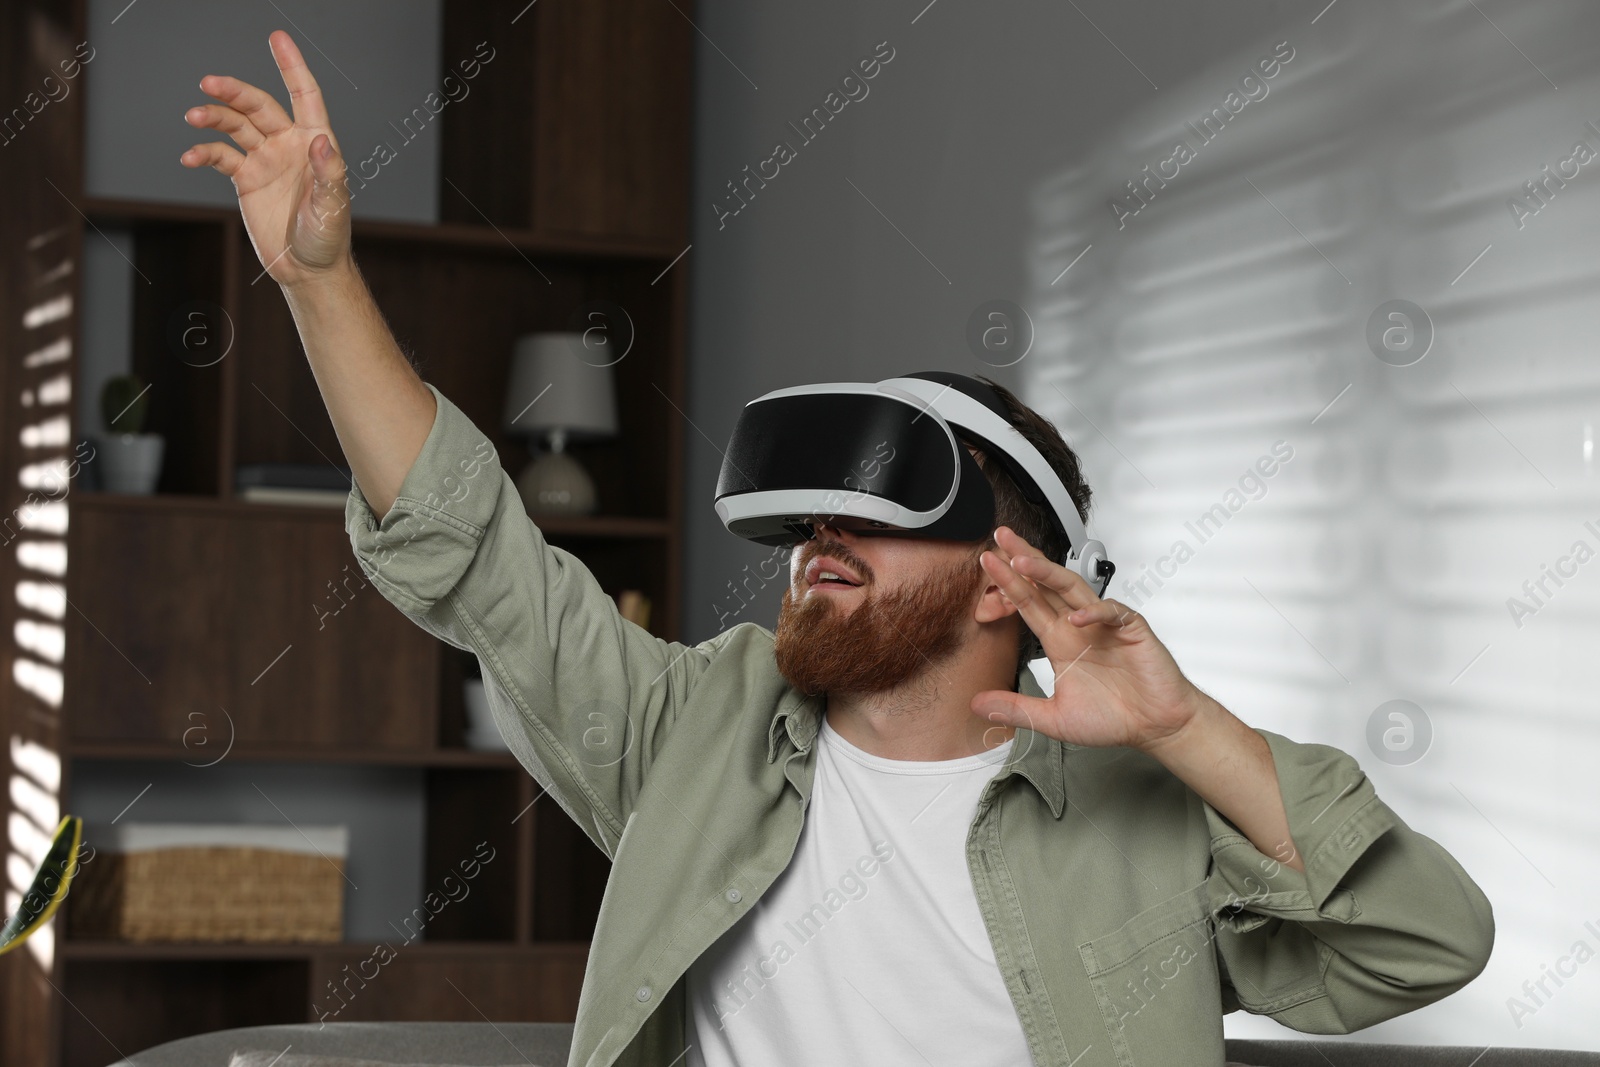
point(317, 484)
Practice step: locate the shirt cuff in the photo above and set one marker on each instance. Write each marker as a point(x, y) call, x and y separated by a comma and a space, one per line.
point(1334, 817)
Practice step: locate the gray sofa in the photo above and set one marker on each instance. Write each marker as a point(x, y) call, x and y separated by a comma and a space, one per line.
point(545, 1045)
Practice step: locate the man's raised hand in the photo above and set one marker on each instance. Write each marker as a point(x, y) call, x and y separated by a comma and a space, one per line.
point(290, 176)
point(1116, 683)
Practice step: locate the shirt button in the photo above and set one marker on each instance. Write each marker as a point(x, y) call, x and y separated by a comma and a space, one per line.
point(644, 993)
point(734, 895)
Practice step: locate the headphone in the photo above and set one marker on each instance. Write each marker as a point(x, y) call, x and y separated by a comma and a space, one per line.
point(814, 452)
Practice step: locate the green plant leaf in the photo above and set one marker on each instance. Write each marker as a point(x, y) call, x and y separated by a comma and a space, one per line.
point(49, 886)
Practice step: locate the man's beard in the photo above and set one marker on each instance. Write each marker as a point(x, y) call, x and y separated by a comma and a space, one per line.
point(883, 641)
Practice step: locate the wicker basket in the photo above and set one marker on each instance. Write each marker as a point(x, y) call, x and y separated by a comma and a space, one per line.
point(165, 882)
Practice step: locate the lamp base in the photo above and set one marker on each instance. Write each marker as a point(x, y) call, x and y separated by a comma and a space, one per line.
point(556, 484)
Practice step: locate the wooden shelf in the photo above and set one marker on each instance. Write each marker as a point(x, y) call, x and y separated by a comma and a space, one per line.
point(602, 526)
point(482, 238)
point(194, 598)
point(441, 757)
point(614, 526)
point(206, 502)
point(175, 950)
point(245, 950)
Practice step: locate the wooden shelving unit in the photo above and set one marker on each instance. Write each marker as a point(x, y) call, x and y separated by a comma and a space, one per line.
point(181, 599)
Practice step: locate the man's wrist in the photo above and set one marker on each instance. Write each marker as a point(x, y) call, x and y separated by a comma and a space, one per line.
point(1205, 718)
point(337, 280)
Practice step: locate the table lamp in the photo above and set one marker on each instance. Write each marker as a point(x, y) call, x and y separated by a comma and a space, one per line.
point(555, 392)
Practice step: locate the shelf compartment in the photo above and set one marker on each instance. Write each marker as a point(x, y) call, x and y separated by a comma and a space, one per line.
point(569, 877)
point(235, 613)
point(179, 332)
point(282, 417)
point(471, 857)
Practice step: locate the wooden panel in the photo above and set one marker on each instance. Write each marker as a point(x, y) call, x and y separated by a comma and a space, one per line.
point(118, 1008)
point(494, 116)
point(393, 982)
point(40, 257)
point(219, 598)
point(587, 104)
point(612, 117)
point(454, 667)
point(148, 642)
point(569, 877)
point(280, 416)
point(527, 824)
point(471, 839)
point(366, 676)
point(180, 333)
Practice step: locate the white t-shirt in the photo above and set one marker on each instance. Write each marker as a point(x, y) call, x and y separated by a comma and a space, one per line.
point(869, 947)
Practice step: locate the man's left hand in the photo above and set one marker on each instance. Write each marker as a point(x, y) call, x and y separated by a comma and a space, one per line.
point(1115, 682)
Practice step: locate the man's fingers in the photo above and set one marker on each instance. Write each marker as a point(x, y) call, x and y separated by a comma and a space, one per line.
point(1109, 612)
point(305, 95)
point(1046, 595)
point(1024, 550)
point(1071, 587)
point(225, 158)
point(1033, 602)
point(1069, 584)
point(257, 105)
point(229, 121)
point(330, 196)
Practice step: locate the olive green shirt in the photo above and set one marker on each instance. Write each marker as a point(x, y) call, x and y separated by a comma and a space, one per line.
point(1126, 914)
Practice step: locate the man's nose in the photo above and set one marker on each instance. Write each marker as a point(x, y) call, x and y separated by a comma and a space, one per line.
point(827, 531)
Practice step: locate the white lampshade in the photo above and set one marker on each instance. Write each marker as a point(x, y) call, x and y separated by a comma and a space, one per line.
point(572, 395)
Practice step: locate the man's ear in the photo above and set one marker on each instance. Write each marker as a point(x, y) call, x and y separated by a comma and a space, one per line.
point(993, 604)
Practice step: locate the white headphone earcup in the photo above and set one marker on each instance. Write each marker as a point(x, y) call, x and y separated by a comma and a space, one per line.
point(1088, 563)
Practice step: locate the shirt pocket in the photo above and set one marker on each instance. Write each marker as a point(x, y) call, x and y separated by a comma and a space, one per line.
point(1156, 982)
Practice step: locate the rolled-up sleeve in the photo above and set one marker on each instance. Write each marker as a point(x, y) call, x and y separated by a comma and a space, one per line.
point(583, 697)
point(1381, 921)
point(431, 534)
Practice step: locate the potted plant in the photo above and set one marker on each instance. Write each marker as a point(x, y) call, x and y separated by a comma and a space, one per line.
point(132, 459)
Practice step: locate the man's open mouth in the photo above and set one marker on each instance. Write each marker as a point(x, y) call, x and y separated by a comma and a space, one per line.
point(824, 571)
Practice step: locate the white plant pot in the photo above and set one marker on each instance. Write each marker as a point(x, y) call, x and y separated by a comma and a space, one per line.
point(130, 462)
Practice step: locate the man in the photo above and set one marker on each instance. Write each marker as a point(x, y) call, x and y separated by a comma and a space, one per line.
point(869, 836)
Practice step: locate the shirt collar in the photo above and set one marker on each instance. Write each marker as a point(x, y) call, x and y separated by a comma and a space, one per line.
point(1038, 757)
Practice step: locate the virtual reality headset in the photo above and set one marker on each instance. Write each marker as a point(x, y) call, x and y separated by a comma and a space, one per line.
point(886, 458)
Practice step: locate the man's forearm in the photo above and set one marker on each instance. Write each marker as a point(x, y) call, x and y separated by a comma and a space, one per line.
point(1230, 767)
point(380, 408)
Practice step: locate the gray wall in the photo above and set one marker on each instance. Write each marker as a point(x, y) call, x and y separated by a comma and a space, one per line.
point(868, 253)
point(374, 63)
